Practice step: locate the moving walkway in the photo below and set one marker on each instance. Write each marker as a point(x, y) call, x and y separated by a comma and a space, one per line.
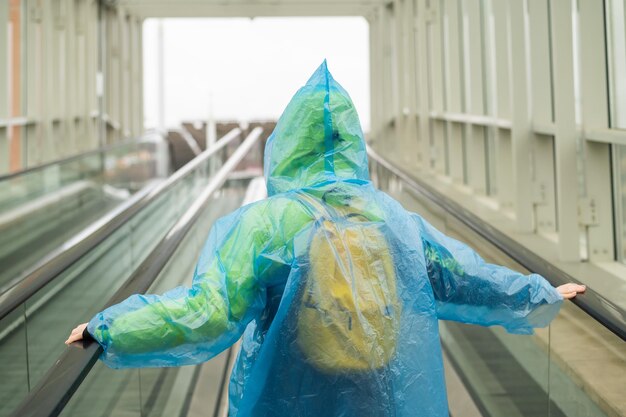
point(575, 367)
point(36, 313)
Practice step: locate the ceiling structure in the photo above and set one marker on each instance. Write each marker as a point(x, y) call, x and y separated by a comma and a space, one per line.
point(247, 8)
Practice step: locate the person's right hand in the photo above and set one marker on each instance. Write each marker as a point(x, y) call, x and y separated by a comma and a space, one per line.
point(77, 333)
point(570, 290)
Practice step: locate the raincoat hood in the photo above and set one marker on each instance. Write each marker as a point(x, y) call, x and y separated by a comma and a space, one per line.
point(318, 138)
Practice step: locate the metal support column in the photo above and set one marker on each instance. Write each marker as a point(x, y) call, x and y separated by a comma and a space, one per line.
point(565, 135)
point(520, 118)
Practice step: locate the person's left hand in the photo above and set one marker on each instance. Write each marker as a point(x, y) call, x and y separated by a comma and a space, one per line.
point(77, 334)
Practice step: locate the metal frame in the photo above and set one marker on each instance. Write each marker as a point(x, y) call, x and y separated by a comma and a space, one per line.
point(595, 117)
point(565, 134)
point(552, 151)
point(59, 80)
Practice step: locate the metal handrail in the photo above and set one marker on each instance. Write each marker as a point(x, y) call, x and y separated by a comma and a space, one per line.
point(62, 380)
point(603, 310)
point(27, 284)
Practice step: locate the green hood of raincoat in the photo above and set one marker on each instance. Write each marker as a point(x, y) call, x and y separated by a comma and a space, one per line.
point(318, 138)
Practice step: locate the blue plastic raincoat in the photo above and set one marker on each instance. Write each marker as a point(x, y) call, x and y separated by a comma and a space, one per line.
point(335, 288)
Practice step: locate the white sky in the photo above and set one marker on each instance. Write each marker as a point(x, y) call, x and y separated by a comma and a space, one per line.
point(250, 68)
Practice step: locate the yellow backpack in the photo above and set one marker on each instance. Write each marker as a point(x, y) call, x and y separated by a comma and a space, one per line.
point(349, 313)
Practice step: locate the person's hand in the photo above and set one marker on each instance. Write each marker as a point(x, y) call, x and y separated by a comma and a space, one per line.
point(570, 290)
point(77, 333)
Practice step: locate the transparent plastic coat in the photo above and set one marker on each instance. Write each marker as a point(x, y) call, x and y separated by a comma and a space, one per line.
point(259, 266)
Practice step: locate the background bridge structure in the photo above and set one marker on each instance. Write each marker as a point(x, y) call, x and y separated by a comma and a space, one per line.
point(502, 122)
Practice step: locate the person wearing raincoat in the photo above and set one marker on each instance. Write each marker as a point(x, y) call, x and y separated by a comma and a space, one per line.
point(334, 288)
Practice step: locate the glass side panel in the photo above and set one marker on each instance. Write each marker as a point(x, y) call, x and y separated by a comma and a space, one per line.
point(43, 208)
point(157, 391)
point(13, 370)
point(29, 232)
point(165, 391)
point(31, 185)
point(99, 274)
point(80, 291)
point(151, 224)
point(588, 366)
point(110, 392)
point(498, 383)
point(127, 165)
point(73, 298)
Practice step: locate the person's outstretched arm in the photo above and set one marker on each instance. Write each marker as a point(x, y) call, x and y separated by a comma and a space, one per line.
point(469, 290)
point(191, 325)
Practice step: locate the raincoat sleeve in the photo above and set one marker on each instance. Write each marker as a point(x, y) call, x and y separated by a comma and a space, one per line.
point(469, 290)
point(190, 325)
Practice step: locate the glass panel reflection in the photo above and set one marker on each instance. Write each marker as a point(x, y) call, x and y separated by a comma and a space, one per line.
point(14, 366)
point(157, 391)
point(74, 297)
point(106, 392)
point(588, 366)
point(43, 208)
